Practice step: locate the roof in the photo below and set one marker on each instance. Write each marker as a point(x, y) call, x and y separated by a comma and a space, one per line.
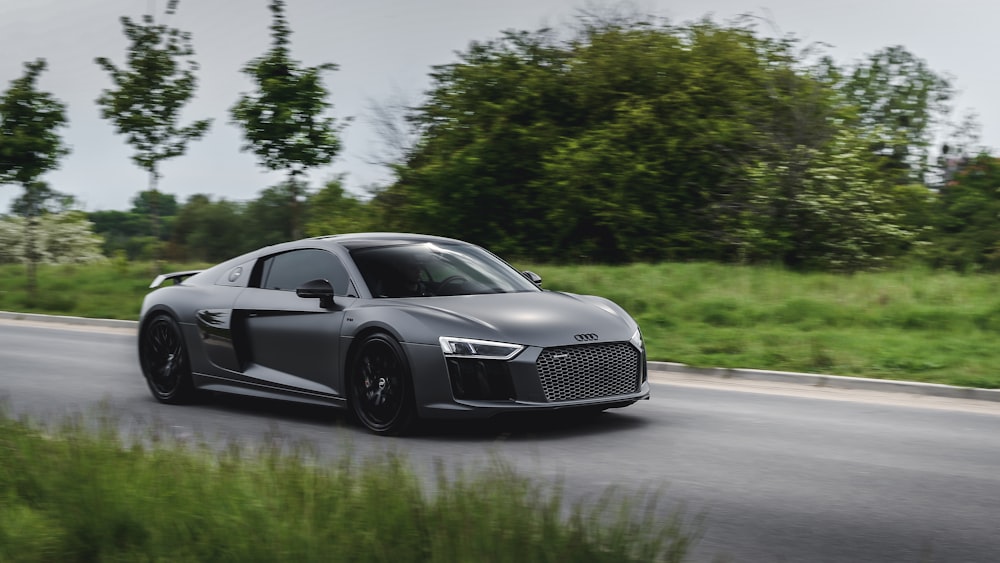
point(362, 240)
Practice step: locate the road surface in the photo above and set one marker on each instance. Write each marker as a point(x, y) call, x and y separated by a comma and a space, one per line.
point(779, 472)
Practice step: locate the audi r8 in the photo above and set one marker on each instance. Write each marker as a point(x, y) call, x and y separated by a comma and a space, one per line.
point(393, 327)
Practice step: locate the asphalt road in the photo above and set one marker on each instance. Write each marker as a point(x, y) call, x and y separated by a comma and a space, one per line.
point(779, 472)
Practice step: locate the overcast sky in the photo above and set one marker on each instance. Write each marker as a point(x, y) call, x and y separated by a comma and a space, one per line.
point(385, 49)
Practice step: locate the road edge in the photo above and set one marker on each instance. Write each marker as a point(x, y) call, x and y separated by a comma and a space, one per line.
point(67, 320)
point(664, 370)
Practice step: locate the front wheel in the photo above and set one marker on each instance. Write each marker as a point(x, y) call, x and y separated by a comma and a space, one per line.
point(164, 361)
point(381, 395)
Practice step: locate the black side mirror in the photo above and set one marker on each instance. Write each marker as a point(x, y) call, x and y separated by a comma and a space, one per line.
point(532, 277)
point(317, 289)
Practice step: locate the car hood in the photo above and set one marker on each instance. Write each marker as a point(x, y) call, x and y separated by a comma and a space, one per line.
point(539, 319)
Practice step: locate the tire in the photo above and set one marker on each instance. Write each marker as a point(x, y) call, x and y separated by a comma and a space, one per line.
point(381, 392)
point(164, 361)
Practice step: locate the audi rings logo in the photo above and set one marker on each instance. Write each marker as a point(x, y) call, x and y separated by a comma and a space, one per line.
point(585, 337)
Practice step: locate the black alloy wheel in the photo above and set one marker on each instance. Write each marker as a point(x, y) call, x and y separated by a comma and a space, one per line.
point(381, 396)
point(164, 361)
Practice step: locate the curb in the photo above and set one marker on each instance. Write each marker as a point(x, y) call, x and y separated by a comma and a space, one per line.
point(66, 320)
point(830, 381)
point(665, 369)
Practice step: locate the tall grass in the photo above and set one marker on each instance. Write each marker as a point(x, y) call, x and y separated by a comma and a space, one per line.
point(910, 324)
point(913, 323)
point(73, 494)
point(110, 290)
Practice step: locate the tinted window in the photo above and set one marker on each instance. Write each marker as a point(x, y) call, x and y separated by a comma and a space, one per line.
point(290, 270)
point(436, 269)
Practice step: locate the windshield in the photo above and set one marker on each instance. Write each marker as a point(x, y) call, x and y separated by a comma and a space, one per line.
point(436, 269)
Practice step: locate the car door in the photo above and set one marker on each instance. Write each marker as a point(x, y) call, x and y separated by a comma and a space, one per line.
point(292, 343)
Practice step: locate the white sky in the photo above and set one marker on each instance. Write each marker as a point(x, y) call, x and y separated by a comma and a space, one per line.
point(385, 49)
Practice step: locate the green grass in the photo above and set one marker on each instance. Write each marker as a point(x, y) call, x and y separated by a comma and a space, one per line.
point(911, 324)
point(78, 494)
point(112, 290)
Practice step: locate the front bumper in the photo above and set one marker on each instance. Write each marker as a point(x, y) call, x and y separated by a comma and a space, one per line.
point(603, 375)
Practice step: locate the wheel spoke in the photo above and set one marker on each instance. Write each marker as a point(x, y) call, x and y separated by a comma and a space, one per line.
point(378, 385)
point(164, 361)
point(163, 356)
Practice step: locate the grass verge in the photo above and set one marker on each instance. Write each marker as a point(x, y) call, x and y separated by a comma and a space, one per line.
point(73, 494)
point(913, 324)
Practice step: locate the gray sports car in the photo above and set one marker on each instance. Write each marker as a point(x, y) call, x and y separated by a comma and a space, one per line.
point(394, 327)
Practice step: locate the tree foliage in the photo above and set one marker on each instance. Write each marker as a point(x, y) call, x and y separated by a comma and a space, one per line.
point(150, 90)
point(838, 214)
point(899, 101)
point(332, 210)
point(209, 231)
point(142, 232)
point(274, 219)
point(149, 93)
point(62, 238)
point(642, 140)
point(630, 139)
point(283, 121)
point(30, 145)
point(968, 237)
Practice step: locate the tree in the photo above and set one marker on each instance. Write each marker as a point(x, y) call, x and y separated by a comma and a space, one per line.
point(839, 215)
point(63, 237)
point(209, 231)
point(124, 232)
point(331, 211)
point(30, 146)
point(272, 215)
point(30, 205)
point(149, 92)
point(899, 101)
point(640, 140)
point(134, 231)
point(628, 142)
point(968, 237)
point(484, 129)
point(148, 202)
point(282, 121)
point(673, 116)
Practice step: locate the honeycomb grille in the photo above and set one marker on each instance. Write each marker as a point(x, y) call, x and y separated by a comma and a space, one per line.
point(589, 371)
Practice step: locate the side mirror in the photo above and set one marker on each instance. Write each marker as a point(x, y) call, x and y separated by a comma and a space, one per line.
point(532, 277)
point(317, 289)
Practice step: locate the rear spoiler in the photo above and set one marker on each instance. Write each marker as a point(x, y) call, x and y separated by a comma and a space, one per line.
point(178, 277)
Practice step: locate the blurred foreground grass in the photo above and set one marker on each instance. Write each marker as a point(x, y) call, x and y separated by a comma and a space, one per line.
point(911, 324)
point(74, 493)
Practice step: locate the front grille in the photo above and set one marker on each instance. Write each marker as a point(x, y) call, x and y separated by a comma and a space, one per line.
point(589, 371)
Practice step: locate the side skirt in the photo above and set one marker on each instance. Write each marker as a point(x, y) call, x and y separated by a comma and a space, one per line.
point(220, 385)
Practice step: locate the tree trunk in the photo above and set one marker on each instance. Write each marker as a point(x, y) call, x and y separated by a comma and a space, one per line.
point(31, 252)
point(154, 216)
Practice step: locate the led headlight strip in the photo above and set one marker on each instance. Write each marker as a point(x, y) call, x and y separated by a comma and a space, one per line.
point(483, 349)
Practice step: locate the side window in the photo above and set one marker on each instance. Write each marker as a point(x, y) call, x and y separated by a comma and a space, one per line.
point(290, 270)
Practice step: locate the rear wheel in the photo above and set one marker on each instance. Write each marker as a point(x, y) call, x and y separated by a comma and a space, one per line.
point(381, 390)
point(164, 361)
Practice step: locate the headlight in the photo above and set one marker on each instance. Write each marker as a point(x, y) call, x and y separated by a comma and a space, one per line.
point(636, 340)
point(468, 348)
